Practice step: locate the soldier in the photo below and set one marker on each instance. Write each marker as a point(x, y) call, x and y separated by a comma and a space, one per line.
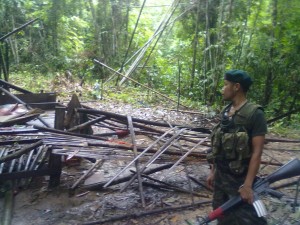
point(237, 145)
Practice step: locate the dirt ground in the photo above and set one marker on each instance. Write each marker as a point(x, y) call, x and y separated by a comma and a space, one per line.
point(39, 205)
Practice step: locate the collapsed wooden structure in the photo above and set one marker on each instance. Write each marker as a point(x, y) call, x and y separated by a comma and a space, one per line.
point(71, 135)
point(43, 144)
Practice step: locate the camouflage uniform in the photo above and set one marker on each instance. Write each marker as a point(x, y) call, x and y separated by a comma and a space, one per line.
point(225, 187)
point(228, 180)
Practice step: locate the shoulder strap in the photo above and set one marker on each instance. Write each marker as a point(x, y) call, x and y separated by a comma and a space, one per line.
point(244, 115)
point(224, 109)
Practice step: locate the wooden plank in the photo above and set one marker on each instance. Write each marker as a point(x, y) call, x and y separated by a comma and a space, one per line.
point(45, 105)
point(55, 160)
point(29, 98)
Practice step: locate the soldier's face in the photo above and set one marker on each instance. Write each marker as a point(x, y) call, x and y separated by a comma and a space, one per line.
point(228, 90)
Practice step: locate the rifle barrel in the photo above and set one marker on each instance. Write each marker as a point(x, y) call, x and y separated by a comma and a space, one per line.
point(288, 170)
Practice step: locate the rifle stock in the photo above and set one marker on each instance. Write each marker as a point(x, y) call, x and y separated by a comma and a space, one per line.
point(288, 170)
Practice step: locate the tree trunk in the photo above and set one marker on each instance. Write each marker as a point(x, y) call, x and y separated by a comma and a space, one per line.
point(54, 18)
point(240, 48)
point(270, 73)
point(195, 44)
point(211, 16)
point(14, 44)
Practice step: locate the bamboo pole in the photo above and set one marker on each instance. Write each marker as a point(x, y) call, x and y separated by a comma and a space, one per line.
point(187, 153)
point(155, 156)
point(141, 154)
point(156, 92)
point(132, 134)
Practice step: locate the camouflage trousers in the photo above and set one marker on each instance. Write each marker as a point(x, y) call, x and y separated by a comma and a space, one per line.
point(225, 187)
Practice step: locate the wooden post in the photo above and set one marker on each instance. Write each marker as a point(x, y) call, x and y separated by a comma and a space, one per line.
point(8, 203)
point(55, 160)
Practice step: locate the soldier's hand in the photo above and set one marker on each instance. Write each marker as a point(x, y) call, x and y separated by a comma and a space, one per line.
point(246, 193)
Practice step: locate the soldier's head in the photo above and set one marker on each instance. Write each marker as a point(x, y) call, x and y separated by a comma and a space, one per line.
point(236, 81)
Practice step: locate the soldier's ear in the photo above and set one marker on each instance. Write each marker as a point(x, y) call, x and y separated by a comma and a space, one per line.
point(237, 86)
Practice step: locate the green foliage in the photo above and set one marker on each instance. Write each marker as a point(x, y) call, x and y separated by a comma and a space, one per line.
point(29, 78)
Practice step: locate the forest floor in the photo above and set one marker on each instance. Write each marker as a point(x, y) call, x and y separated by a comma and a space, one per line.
point(39, 205)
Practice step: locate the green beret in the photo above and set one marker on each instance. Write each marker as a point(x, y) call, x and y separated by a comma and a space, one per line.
point(239, 76)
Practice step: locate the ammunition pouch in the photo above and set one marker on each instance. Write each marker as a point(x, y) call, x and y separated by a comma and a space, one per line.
point(236, 145)
point(231, 147)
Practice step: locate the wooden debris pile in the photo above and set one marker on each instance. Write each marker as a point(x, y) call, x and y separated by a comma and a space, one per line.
point(72, 135)
point(21, 153)
point(34, 145)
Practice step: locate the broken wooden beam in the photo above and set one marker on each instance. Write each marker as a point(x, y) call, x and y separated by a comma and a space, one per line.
point(172, 187)
point(96, 164)
point(123, 118)
point(86, 124)
point(199, 183)
point(154, 130)
point(147, 213)
point(51, 130)
point(7, 85)
point(55, 160)
point(100, 185)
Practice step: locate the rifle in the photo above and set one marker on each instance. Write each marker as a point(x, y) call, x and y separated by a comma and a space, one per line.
point(288, 170)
